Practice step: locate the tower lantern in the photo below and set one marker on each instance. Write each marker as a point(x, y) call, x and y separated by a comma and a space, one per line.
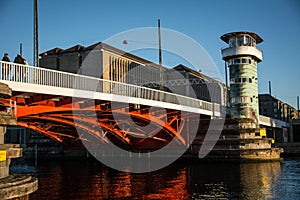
point(242, 56)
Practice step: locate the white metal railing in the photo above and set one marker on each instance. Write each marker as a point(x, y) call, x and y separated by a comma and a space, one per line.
point(272, 122)
point(42, 76)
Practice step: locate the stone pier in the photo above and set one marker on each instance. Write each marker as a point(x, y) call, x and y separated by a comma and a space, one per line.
point(12, 186)
point(242, 140)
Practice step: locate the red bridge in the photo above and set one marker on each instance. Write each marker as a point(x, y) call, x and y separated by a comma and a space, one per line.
point(57, 103)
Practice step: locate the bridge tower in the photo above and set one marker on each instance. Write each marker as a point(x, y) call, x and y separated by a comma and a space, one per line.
point(242, 56)
point(242, 131)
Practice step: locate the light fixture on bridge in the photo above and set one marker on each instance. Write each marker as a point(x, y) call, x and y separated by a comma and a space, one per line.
point(159, 55)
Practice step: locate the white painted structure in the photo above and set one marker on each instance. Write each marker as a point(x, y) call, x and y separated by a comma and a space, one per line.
point(31, 79)
point(271, 122)
point(241, 51)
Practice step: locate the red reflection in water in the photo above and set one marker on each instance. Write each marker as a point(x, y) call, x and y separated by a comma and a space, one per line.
point(155, 185)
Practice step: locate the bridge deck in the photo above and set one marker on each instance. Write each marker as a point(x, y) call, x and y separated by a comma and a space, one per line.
point(31, 79)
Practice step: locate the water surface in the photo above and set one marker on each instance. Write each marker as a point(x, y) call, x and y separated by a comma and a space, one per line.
point(182, 180)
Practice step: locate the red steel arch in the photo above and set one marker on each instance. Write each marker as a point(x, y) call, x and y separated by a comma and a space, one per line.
point(42, 113)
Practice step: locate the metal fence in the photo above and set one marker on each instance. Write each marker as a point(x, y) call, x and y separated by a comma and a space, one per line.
point(41, 76)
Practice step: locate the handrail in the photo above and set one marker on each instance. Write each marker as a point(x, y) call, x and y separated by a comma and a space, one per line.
point(269, 121)
point(42, 76)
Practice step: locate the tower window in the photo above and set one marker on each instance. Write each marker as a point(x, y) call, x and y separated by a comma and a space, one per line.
point(241, 100)
point(240, 80)
point(244, 60)
point(236, 61)
point(247, 40)
point(232, 81)
point(232, 42)
point(240, 40)
point(239, 61)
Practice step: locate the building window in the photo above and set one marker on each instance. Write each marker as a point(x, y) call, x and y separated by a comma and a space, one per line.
point(247, 40)
point(243, 40)
point(232, 42)
point(236, 61)
point(239, 61)
point(241, 100)
point(240, 80)
point(232, 81)
point(240, 41)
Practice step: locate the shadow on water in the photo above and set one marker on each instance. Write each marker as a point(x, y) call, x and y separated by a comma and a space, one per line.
point(181, 180)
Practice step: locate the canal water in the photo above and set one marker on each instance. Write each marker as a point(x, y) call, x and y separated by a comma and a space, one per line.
point(181, 180)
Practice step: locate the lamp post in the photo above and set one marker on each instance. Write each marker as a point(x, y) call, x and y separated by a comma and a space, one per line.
point(36, 40)
point(161, 74)
point(298, 106)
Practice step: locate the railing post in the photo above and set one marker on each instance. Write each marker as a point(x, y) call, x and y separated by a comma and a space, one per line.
point(13, 72)
point(1, 70)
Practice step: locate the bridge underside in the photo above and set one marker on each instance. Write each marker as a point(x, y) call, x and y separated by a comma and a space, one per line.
point(73, 120)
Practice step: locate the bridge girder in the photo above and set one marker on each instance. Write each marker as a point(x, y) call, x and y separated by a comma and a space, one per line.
point(66, 111)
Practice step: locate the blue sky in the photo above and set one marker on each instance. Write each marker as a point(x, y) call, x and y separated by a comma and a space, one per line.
point(65, 23)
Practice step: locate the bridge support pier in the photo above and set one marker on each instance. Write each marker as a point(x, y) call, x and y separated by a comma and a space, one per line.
point(2, 132)
point(4, 163)
point(14, 186)
point(241, 140)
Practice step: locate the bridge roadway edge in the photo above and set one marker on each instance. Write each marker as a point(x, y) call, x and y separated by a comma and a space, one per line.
point(34, 88)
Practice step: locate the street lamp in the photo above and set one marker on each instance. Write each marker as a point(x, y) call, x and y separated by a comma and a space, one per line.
point(161, 75)
point(36, 40)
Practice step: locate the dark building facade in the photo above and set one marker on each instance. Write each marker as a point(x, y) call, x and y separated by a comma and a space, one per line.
point(106, 62)
point(272, 107)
